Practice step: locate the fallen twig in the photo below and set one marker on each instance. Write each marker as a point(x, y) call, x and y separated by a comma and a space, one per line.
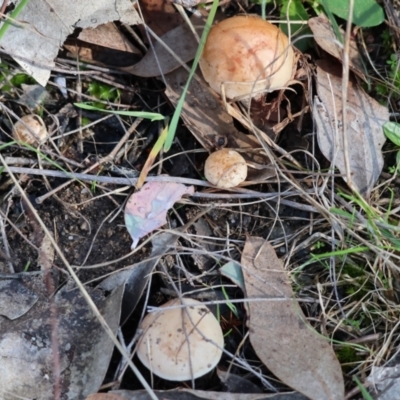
point(240, 193)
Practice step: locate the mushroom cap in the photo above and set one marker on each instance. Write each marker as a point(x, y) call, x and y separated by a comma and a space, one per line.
point(225, 168)
point(173, 348)
point(245, 49)
point(22, 130)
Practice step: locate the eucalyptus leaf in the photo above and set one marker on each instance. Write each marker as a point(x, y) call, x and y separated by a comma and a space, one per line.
point(278, 331)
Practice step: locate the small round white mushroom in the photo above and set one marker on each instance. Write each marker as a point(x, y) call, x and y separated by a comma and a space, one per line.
point(30, 129)
point(225, 168)
point(247, 55)
point(181, 343)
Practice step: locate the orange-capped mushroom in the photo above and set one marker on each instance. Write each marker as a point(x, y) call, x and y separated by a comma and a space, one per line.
point(248, 55)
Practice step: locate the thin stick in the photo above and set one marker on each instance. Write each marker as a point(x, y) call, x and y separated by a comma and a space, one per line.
point(345, 82)
point(243, 193)
point(102, 179)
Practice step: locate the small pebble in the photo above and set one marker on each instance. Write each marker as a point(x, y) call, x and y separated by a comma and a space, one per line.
point(282, 250)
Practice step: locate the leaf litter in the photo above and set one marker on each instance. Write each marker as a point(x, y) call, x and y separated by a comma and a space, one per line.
point(206, 117)
point(135, 278)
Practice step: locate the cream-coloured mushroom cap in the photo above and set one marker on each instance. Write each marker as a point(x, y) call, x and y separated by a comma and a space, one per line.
point(30, 129)
point(175, 349)
point(245, 49)
point(225, 168)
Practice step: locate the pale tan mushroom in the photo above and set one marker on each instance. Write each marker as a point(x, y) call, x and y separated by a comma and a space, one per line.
point(30, 129)
point(181, 343)
point(247, 55)
point(225, 168)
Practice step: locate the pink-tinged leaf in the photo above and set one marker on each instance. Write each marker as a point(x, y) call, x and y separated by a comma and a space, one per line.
point(147, 209)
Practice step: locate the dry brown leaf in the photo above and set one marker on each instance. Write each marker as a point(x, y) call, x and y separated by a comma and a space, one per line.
point(325, 37)
point(364, 133)
point(279, 332)
point(160, 15)
point(83, 51)
point(98, 55)
point(181, 40)
point(385, 382)
point(108, 35)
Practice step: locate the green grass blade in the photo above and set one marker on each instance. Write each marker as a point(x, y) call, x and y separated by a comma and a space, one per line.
point(178, 110)
point(138, 114)
point(340, 212)
point(363, 390)
point(338, 253)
